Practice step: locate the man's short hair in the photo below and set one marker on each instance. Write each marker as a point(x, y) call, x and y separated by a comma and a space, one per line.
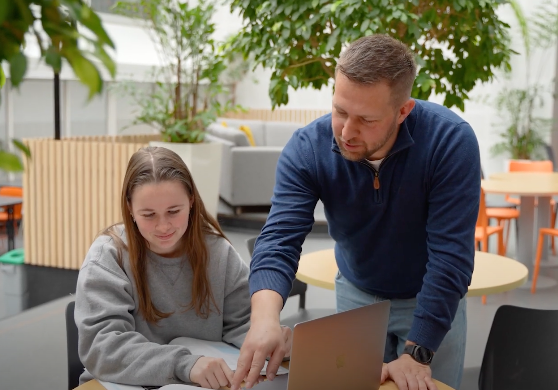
point(380, 58)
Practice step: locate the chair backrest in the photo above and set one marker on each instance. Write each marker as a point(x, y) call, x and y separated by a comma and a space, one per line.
point(299, 288)
point(521, 350)
point(13, 191)
point(530, 166)
point(75, 367)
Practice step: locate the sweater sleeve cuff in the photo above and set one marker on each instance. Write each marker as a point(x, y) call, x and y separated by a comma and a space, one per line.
point(270, 280)
point(184, 366)
point(427, 334)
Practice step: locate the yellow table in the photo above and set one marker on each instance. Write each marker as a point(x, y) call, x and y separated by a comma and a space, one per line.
point(388, 385)
point(493, 274)
point(528, 185)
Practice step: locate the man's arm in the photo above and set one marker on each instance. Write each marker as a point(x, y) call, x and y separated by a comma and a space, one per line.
point(454, 193)
point(275, 259)
point(453, 204)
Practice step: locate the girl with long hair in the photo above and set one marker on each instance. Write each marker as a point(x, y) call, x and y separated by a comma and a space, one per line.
point(167, 271)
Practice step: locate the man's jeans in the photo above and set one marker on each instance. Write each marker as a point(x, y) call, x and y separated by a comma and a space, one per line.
point(447, 365)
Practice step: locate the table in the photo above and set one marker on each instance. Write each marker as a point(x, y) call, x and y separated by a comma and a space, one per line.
point(528, 185)
point(388, 385)
point(493, 273)
point(9, 202)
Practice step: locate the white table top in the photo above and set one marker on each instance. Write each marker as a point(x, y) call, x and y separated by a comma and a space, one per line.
point(493, 273)
point(522, 183)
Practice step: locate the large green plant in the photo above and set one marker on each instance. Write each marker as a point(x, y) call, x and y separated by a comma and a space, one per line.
point(188, 95)
point(458, 43)
point(523, 136)
point(54, 25)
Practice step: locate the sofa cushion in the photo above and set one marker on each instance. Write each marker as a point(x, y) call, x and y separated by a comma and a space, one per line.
point(228, 133)
point(256, 126)
point(279, 133)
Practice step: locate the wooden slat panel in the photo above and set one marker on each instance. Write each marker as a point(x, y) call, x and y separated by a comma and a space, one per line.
point(87, 215)
point(44, 233)
point(102, 186)
point(108, 183)
point(51, 201)
point(80, 212)
point(74, 204)
point(59, 203)
point(66, 174)
point(29, 199)
point(95, 188)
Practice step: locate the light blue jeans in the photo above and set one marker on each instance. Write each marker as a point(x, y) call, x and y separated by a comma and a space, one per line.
point(447, 365)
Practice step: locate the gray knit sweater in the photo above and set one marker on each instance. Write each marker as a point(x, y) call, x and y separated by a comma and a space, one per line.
point(117, 345)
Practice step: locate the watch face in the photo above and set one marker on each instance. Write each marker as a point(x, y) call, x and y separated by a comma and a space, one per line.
point(423, 355)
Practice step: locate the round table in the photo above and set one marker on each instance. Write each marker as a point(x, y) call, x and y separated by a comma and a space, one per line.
point(528, 185)
point(493, 273)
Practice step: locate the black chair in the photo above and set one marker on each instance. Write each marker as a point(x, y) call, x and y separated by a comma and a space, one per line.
point(521, 350)
point(75, 367)
point(299, 288)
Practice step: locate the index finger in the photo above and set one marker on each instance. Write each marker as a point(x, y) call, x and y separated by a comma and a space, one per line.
point(258, 362)
point(242, 367)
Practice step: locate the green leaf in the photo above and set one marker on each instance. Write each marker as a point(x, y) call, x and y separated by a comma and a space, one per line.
point(86, 72)
point(5, 9)
point(54, 59)
point(18, 67)
point(2, 76)
point(9, 162)
point(22, 147)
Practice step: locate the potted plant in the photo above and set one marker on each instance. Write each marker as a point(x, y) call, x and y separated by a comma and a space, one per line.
point(188, 93)
point(524, 132)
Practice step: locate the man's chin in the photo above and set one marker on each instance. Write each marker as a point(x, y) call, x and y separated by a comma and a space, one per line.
point(351, 156)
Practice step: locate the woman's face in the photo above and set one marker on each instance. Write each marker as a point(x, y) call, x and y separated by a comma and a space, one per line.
point(162, 212)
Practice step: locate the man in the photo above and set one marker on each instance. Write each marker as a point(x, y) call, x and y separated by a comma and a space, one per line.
point(400, 182)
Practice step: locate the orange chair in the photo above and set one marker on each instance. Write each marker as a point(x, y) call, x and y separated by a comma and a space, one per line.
point(542, 232)
point(503, 217)
point(483, 231)
point(534, 166)
point(12, 191)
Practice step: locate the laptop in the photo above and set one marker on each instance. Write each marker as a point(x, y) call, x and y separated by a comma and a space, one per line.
point(340, 351)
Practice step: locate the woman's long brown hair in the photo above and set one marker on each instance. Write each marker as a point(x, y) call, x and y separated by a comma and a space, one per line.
point(155, 165)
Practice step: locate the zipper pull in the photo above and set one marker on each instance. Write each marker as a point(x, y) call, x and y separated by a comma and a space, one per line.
point(376, 181)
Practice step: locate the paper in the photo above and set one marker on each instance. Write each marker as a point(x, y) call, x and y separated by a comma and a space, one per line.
point(217, 349)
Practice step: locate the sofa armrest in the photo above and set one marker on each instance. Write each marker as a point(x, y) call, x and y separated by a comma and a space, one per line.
point(253, 175)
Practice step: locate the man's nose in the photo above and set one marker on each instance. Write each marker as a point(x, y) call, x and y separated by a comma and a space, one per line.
point(350, 130)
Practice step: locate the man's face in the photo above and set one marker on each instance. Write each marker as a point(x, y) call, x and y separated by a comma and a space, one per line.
point(364, 119)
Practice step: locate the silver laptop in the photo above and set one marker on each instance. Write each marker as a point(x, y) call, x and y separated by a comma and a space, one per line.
point(341, 351)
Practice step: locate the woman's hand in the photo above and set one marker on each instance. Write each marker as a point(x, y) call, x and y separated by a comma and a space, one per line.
point(211, 373)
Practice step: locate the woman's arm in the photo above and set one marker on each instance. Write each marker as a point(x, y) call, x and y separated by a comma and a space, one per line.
point(109, 347)
point(236, 306)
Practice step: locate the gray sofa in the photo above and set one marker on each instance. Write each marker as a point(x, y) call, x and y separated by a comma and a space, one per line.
point(248, 172)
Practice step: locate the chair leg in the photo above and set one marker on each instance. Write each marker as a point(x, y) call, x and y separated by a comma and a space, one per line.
point(537, 262)
point(501, 250)
point(484, 299)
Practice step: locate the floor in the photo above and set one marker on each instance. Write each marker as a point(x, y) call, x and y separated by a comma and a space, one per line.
point(33, 347)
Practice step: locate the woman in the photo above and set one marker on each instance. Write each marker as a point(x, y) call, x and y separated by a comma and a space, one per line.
point(167, 272)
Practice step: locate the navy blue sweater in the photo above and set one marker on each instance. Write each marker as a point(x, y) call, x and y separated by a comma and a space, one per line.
point(412, 237)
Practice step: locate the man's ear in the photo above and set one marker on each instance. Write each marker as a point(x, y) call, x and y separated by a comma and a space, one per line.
point(405, 110)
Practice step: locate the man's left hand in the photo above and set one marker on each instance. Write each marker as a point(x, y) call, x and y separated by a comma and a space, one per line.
point(408, 374)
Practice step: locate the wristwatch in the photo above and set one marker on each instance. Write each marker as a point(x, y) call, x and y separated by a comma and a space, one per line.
point(420, 354)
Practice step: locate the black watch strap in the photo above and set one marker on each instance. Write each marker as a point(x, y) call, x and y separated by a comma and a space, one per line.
point(420, 354)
